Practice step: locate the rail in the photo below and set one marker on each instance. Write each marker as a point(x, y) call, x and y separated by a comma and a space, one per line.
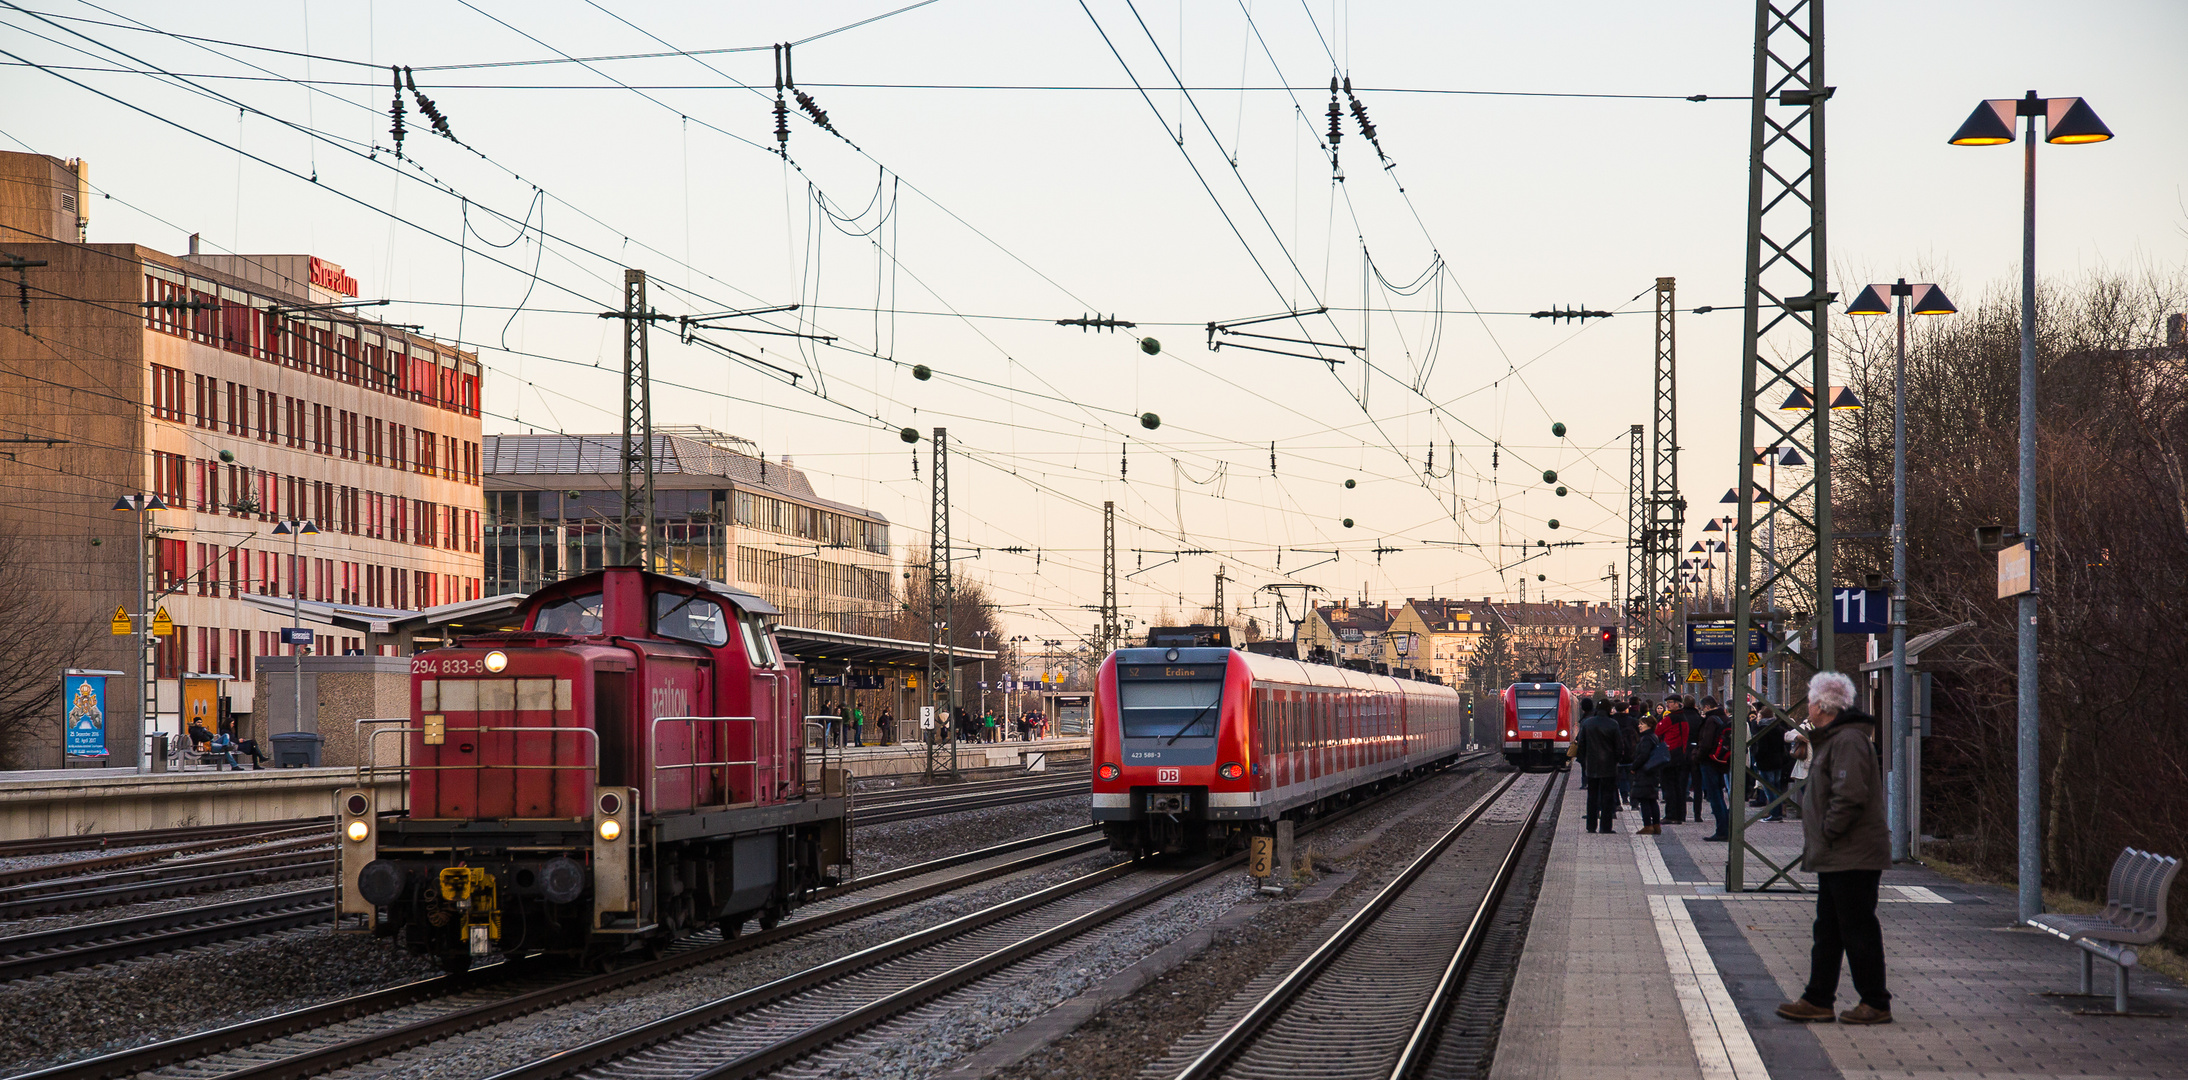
point(653, 757)
point(369, 769)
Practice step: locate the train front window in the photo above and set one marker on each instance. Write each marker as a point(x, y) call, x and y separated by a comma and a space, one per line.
point(577, 616)
point(1170, 709)
point(1537, 711)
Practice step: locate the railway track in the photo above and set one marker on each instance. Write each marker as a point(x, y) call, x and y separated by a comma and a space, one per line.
point(905, 804)
point(103, 841)
point(1370, 999)
point(819, 1014)
point(292, 860)
point(310, 1041)
point(25, 955)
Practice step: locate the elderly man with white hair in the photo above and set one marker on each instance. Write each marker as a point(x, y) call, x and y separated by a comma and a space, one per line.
point(1847, 845)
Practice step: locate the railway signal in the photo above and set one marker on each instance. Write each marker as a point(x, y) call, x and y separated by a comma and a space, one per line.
point(1608, 635)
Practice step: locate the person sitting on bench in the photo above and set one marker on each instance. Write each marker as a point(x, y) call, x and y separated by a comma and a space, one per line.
point(226, 746)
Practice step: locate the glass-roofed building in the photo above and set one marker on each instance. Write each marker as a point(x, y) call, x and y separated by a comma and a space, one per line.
point(721, 511)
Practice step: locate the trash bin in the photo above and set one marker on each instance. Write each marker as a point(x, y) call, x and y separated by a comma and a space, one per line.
point(157, 755)
point(294, 749)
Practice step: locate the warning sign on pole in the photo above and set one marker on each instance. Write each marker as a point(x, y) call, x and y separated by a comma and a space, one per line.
point(1695, 675)
point(120, 624)
point(162, 626)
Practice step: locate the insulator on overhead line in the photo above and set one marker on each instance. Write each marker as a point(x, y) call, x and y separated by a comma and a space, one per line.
point(782, 126)
point(1336, 114)
point(395, 111)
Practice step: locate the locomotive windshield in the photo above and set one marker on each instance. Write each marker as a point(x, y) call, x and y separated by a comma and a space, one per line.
point(1537, 708)
point(690, 618)
point(577, 616)
point(1170, 702)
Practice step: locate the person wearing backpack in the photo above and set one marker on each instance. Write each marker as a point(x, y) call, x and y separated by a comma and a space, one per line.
point(1672, 779)
point(1650, 758)
point(1713, 758)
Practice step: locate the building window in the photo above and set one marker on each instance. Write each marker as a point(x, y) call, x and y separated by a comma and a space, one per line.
point(167, 399)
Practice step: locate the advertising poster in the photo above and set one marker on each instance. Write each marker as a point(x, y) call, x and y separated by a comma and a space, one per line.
point(83, 701)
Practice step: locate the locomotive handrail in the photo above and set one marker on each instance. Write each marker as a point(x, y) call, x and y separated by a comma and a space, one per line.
point(653, 756)
point(821, 721)
point(369, 772)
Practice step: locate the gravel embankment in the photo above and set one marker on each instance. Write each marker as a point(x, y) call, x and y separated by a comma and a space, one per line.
point(97, 1010)
point(875, 848)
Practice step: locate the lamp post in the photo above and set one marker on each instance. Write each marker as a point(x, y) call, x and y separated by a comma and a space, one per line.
point(982, 637)
point(296, 531)
point(147, 693)
point(2067, 120)
point(1925, 300)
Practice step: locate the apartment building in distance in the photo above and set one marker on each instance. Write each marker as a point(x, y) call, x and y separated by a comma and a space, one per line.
point(1347, 631)
point(722, 510)
point(243, 391)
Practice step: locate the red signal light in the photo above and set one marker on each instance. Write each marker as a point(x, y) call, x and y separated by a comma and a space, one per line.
point(1231, 770)
point(1109, 770)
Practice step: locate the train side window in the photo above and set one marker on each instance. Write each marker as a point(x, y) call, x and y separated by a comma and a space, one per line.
point(690, 618)
point(611, 725)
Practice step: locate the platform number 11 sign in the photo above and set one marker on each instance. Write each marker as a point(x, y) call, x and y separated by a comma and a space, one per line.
point(1860, 611)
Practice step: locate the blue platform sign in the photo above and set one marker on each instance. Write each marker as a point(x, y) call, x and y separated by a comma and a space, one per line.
point(1861, 611)
point(296, 635)
point(83, 699)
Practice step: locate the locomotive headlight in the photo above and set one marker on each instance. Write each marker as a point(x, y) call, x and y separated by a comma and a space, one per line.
point(497, 660)
point(1231, 770)
point(610, 829)
point(357, 832)
point(1109, 770)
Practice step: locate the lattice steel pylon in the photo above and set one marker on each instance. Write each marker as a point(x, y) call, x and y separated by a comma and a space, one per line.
point(1631, 654)
point(941, 601)
point(635, 541)
point(1784, 356)
point(1112, 627)
point(1667, 509)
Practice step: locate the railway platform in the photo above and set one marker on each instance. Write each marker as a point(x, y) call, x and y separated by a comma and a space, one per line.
point(905, 759)
point(82, 802)
point(1639, 966)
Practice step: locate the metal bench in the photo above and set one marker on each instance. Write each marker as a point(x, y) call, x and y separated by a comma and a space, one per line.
point(2134, 914)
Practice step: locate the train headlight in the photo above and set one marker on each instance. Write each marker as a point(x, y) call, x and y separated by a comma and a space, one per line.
point(497, 660)
point(1511, 733)
point(610, 830)
point(1109, 770)
point(357, 831)
point(1561, 733)
point(1231, 770)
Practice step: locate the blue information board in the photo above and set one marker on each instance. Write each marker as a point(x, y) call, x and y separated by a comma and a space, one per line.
point(83, 704)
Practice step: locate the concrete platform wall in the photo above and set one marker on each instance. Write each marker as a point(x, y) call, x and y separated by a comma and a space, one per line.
point(84, 802)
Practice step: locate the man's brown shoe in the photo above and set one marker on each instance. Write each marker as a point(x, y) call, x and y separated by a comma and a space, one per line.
point(1800, 1009)
point(1650, 830)
point(1863, 1014)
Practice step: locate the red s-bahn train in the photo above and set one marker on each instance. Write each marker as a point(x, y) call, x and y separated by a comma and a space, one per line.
point(625, 769)
point(1539, 720)
point(1199, 746)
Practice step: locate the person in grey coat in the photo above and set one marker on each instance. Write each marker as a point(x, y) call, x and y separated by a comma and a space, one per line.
point(1847, 845)
point(1597, 743)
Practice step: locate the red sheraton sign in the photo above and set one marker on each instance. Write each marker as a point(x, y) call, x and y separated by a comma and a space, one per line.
point(333, 278)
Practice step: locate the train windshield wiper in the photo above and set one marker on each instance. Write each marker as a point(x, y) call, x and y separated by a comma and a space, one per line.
point(1189, 724)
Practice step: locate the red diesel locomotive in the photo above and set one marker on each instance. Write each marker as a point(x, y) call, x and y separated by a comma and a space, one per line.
point(1198, 746)
point(626, 769)
point(1539, 721)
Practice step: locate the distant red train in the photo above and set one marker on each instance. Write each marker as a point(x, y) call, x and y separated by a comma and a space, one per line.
point(1539, 721)
point(626, 769)
point(1200, 746)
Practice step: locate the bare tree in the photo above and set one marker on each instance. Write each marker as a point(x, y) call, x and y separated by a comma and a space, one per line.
point(36, 644)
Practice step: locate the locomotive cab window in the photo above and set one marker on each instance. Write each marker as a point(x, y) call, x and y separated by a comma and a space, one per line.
point(577, 616)
point(1170, 702)
point(690, 618)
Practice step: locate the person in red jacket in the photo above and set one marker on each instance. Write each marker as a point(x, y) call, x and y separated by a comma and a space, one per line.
point(1672, 728)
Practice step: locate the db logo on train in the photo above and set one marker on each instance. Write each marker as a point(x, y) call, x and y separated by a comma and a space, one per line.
point(1166, 776)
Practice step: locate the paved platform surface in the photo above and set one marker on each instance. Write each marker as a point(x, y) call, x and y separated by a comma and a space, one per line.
point(899, 759)
point(1638, 966)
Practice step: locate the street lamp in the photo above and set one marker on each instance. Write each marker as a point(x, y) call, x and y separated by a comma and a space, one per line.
point(1925, 300)
point(147, 694)
point(2067, 120)
point(294, 636)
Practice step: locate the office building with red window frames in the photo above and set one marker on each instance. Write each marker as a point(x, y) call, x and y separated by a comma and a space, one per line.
point(243, 390)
